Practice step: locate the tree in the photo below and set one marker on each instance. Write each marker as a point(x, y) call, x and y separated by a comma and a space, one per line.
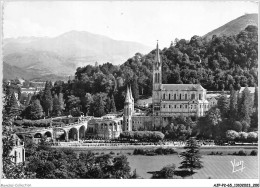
point(223, 105)
point(213, 120)
point(242, 136)
point(252, 136)
point(135, 88)
point(233, 104)
point(47, 102)
point(256, 98)
point(231, 135)
point(237, 126)
point(61, 101)
point(191, 156)
point(214, 116)
point(99, 105)
point(72, 102)
point(108, 105)
point(121, 168)
point(166, 172)
point(245, 126)
point(245, 106)
point(11, 106)
point(112, 104)
point(36, 111)
point(87, 103)
point(56, 106)
point(10, 169)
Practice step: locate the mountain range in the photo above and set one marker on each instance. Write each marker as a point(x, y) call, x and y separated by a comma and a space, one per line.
point(61, 55)
point(45, 57)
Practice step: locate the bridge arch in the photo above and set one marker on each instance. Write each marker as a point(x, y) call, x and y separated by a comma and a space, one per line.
point(48, 134)
point(73, 134)
point(61, 134)
point(37, 135)
point(82, 130)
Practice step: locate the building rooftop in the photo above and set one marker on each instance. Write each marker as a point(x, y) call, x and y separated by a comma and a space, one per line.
point(182, 87)
point(251, 89)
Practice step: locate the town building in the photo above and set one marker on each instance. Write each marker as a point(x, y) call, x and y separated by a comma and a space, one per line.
point(18, 151)
point(106, 127)
point(134, 120)
point(212, 102)
point(30, 90)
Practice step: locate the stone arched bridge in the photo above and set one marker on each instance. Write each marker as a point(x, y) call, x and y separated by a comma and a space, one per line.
point(73, 131)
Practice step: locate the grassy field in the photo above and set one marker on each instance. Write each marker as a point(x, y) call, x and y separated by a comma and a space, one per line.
point(215, 167)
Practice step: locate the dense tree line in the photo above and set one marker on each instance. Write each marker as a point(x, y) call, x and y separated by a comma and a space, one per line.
point(146, 136)
point(220, 63)
point(180, 128)
point(238, 113)
point(10, 111)
point(217, 64)
point(47, 163)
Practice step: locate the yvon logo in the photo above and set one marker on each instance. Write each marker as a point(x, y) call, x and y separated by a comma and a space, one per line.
point(237, 166)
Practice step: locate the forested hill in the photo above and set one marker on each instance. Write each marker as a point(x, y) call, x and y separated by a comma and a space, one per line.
point(235, 26)
point(216, 64)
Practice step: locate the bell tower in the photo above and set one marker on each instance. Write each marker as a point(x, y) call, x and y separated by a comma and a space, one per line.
point(157, 81)
point(128, 110)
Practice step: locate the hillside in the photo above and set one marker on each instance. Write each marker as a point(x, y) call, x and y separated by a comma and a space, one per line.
point(61, 55)
point(235, 26)
point(11, 72)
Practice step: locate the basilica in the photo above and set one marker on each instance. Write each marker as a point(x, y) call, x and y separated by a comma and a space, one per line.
point(168, 101)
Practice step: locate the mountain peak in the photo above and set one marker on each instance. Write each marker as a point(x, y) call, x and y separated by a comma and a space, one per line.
point(64, 53)
point(235, 26)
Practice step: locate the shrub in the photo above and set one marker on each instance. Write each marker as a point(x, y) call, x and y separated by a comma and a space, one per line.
point(253, 153)
point(159, 151)
point(231, 135)
point(252, 136)
point(242, 136)
point(112, 153)
point(150, 153)
point(166, 172)
point(212, 153)
point(241, 153)
point(215, 153)
point(143, 135)
point(138, 152)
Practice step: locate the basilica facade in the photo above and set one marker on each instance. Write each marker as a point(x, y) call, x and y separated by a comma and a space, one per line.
point(169, 101)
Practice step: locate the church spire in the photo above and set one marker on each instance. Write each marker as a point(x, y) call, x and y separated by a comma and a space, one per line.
point(127, 96)
point(157, 55)
point(130, 92)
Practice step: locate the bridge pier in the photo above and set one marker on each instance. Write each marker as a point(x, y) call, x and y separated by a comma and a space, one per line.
point(77, 134)
point(66, 135)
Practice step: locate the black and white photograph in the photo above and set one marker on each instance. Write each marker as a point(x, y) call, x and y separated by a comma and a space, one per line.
point(96, 92)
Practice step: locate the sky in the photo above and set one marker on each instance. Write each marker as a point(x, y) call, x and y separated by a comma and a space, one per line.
point(139, 21)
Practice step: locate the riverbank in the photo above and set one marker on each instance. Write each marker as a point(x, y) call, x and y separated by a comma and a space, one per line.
point(132, 147)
